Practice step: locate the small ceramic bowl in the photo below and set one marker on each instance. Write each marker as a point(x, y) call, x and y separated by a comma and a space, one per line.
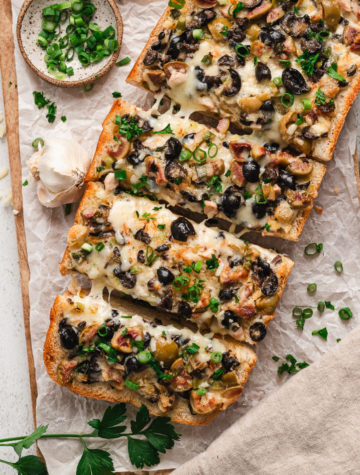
point(29, 26)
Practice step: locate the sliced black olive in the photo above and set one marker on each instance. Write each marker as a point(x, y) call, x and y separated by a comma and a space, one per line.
point(174, 47)
point(166, 301)
point(259, 210)
point(181, 229)
point(158, 46)
point(352, 70)
point(174, 172)
point(231, 201)
point(312, 45)
point(262, 72)
point(151, 284)
point(141, 256)
point(203, 18)
point(226, 60)
point(226, 294)
point(174, 147)
point(294, 25)
point(162, 248)
point(308, 134)
point(165, 276)
point(270, 285)
point(250, 4)
point(257, 331)
point(270, 175)
point(287, 179)
point(235, 36)
point(184, 310)
point(251, 171)
point(261, 268)
point(147, 339)
point(273, 147)
point(229, 363)
point(229, 318)
point(132, 363)
point(134, 158)
point(114, 313)
point(294, 81)
point(235, 86)
point(151, 57)
point(127, 279)
point(69, 337)
point(141, 235)
point(270, 36)
point(267, 106)
point(211, 222)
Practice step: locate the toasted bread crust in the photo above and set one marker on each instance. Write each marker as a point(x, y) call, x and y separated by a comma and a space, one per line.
point(180, 413)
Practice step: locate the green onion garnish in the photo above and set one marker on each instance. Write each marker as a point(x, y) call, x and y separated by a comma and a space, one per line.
point(199, 155)
point(116, 94)
point(322, 332)
point(212, 150)
point(201, 391)
point(123, 62)
point(120, 174)
point(198, 34)
point(321, 306)
point(306, 104)
point(103, 331)
point(307, 313)
point(242, 50)
point(131, 385)
point(99, 246)
point(184, 155)
point(38, 141)
point(87, 247)
point(313, 249)
point(338, 267)
point(311, 289)
point(144, 357)
point(287, 99)
point(345, 313)
point(277, 81)
point(216, 357)
point(285, 63)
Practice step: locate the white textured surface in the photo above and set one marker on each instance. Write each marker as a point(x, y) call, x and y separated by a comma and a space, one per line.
point(15, 402)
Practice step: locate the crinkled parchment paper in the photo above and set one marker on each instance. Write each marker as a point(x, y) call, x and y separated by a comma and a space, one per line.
point(337, 227)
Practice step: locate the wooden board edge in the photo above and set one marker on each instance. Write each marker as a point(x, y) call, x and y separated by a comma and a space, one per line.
point(10, 96)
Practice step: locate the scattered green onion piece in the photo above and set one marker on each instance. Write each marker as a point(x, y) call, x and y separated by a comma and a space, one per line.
point(312, 249)
point(297, 312)
point(216, 357)
point(345, 313)
point(123, 62)
point(287, 99)
point(87, 247)
point(77, 7)
point(307, 313)
point(277, 81)
point(321, 306)
point(199, 155)
point(70, 71)
point(323, 333)
point(184, 155)
point(198, 34)
point(285, 63)
point(99, 246)
point(88, 87)
point(144, 357)
point(103, 331)
point(36, 142)
point(306, 104)
point(41, 41)
point(69, 56)
point(242, 50)
point(323, 35)
point(25, 183)
point(48, 25)
point(214, 153)
point(338, 267)
point(131, 385)
point(311, 289)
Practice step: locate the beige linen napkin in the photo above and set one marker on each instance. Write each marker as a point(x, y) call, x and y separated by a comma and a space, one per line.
point(311, 425)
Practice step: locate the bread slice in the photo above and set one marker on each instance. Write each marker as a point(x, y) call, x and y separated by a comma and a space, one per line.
point(185, 183)
point(179, 65)
point(142, 249)
point(77, 318)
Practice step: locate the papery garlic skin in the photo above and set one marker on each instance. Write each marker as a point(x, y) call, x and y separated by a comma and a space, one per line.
point(59, 168)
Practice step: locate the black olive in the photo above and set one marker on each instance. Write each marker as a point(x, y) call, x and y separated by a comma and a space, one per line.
point(294, 81)
point(142, 236)
point(259, 210)
point(257, 331)
point(158, 46)
point(235, 85)
point(203, 18)
point(165, 276)
point(270, 175)
point(181, 229)
point(226, 144)
point(184, 310)
point(162, 248)
point(81, 326)
point(188, 196)
point(270, 285)
point(351, 71)
point(270, 36)
point(231, 201)
point(312, 45)
point(287, 179)
point(147, 339)
point(181, 340)
point(229, 318)
point(174, 172)
point(226, 294)
point(262, 72)
point(114, 313)
point(308, 134)
point(166, 301)
point(152, 283)
point(226, 60)
point(141, 256)
point(132, 363)
point(267, 106)
point(134, 159)
point(173, 148)
point(273, 147)
point(150, 58)
point(174, 47)
point(69, 337)
point(229, 363)
point(294, 25)
point(188, 138)
point(251, 171)
point(261, 268)
point(137, 144)
point(127, 279)
point(235, 36)
point(211, 222)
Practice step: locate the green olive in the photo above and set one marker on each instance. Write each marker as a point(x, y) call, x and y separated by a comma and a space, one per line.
point(166, 351)
point(267, 305)
point(218, 25)
point(331, 13)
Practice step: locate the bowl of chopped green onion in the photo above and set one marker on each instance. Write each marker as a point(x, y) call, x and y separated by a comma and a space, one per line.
point(72, 43)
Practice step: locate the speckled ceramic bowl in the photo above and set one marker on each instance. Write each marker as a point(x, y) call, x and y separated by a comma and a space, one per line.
point(29, 26)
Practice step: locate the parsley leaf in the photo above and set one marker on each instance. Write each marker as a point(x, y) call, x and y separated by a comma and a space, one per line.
point(141, 453)
point(332, 72)
point(213, 263)
point(113, 415)
point(29, 440)
point(51, 115)
point(128, 127)
point(142, 418)
point(30, 465)
point(308, 62)
point(95, 462)
point(293, 367)
point(166, 130)
point(320, 98)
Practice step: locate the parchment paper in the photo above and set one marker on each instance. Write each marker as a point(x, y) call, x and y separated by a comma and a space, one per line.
point(337, 227)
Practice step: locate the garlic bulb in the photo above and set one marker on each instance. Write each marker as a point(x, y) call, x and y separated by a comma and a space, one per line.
point(59, 168)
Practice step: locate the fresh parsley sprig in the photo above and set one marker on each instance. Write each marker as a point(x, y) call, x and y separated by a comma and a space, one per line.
point(146, 440)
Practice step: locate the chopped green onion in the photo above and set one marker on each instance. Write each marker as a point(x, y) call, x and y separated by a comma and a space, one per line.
point(48, 26)
point(201, 391)
point(63, 118)
point(103, 331)
point(199, 155)
point(120, 174)
point(123, 62)
point(329, 305)
point(144, 357)
point(217, 374)
point(216, 357)
point(211, 147)
point(184, 155)
point(277, 81)
point(322, 332)
point(306, 104)
point(338, 267)
point(285, 63)
point(88, 87)
point(116, 94)
point(198, 34)
point(25, 183)
point(166, 130)
point(311, 289)
point(242, 50)
point(321, 306)
point(300, 119)
point(236, 10)
point(197, 266)
point(287, 99)
point(99, 246)
point(38, 141)
point(192, 349)
point(332, 72)
point(87, 247)
point(323, 35)
point(345, 313)
point(307, 313)
point(131, 385)
point(207, 59)
point(313, 249)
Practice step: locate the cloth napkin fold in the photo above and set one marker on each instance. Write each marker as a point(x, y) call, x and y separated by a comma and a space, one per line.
point(311, 425)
